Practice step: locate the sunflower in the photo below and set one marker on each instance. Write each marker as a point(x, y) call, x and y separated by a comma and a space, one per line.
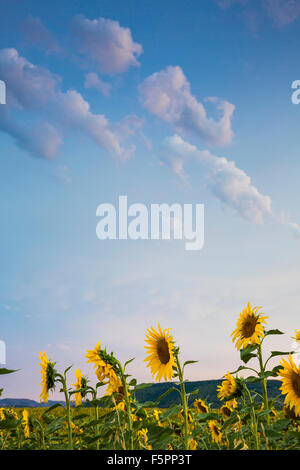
point(228, 387)
point(215, 431)
point(161, 353)
point(249, 328)
point(104, 363)
point(193, 444)
point(291, 383)
point(48, 376)
point(200, 406)
point(80, 383)
point(226, 411)
point(25, 417)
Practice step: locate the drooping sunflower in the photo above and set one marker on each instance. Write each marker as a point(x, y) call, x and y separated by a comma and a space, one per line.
point(25, 417)
point(249, 328)
point(81, 382)
point(48, 376)
point(103, 362)
point(226, 411)
point(200, 406)
point(290, 383)
point(215, 431)
point(228, 387)
point(161, 353)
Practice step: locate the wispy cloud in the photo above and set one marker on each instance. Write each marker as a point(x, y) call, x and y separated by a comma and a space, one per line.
point(167, 95)
point(93, 81)
point(36, 92)
point(106, 43)
point(282, 12)
point(231, 185)
point(36, 33)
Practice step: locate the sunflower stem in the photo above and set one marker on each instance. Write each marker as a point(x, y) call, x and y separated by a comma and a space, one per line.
point(253, 416)
point(63, 381)
point(264, 381)
point(127, 402)
point(184, 401)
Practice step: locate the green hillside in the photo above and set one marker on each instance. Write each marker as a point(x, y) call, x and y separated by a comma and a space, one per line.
point(206, 391)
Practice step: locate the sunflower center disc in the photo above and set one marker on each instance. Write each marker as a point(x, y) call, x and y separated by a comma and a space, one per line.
point(248, 327)
point(163, 351)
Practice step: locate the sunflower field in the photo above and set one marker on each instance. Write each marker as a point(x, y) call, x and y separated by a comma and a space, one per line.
point(108, 416)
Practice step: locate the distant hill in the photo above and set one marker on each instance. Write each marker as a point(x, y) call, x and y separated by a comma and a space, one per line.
point(207, 390)
point(25, 403)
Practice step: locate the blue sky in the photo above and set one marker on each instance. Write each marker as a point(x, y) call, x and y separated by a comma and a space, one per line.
point(87, 121)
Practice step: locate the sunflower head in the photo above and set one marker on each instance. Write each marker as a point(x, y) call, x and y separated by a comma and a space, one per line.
point(215, 431)
point(290, 374)
point(229, 388)
point(48, 374)
point(106, 364)
point(81, 382)
point(160, 349)
point(25, 417)
point(249, 328)
point(226, 411)
point(297, 335)
point(200, 406)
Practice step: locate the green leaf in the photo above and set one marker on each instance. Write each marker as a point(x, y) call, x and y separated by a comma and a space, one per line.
point(132, 382)
point(171, 411)
point(280, 353)
point(55, 425)
point(9, 423)
point(128, 362)
point(172, 389)
point(56, 405)
point(247, 353)
point(189, 362)
point(273, 332)
point(7, 371)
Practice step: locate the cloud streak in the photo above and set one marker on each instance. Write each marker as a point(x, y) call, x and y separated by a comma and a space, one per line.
point(106, 43)
point(37, 94)
point(167, 94)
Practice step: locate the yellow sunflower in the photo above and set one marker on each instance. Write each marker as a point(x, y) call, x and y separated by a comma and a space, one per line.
point(103, 363)
point(249, 328)
point(48, 376)
point(226, 410)
point(215, 431)
point(297, 336)
point(78, 384)
point(227, 388)
point(161, 353)
point(291, 383)
point(25, 417)
point(193, 444)
point(201, 406)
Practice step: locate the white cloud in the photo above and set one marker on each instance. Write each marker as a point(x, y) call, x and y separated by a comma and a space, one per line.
point(35, 91)
point(93, 81)
point(167, 95)
point(228, 183)
point(282, 12)
point(108, 44)
point(231, 185)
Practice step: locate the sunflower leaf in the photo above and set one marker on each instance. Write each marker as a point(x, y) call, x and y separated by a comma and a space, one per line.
point(56, 405)
point(273, 332)
point(247, 353)
point(7, 371)
point(280, 353)
point(172, 389)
